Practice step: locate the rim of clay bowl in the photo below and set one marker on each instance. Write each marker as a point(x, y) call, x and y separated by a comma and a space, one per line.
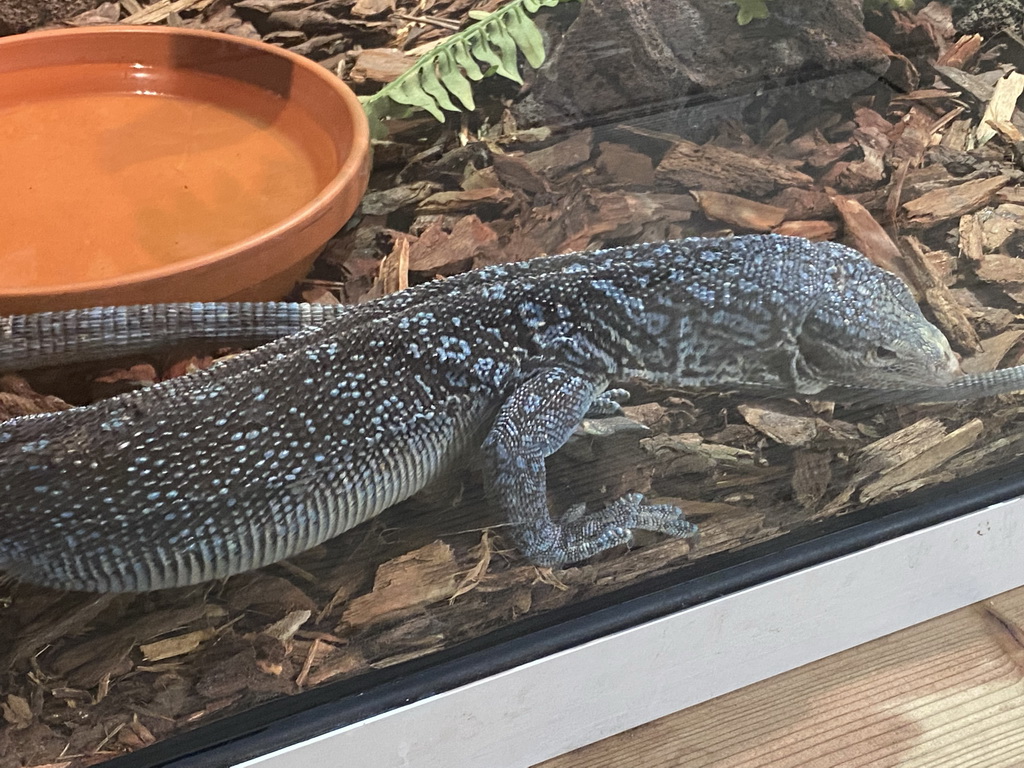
point(351, 168)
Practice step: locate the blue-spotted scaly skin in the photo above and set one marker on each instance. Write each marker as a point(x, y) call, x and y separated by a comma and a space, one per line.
point(274, 451)
point(58, 338)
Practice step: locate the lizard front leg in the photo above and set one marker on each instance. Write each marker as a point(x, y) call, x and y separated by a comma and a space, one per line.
point(533, 423)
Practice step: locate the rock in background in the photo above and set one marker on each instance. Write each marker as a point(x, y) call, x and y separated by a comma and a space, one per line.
point(640, 57)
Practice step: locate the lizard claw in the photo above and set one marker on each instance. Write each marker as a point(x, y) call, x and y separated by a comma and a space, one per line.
point(608, 403)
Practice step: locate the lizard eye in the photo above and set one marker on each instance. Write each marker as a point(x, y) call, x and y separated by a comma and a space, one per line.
point(884, 353)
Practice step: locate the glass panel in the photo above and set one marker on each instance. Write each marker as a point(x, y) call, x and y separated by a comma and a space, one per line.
point(902, 142)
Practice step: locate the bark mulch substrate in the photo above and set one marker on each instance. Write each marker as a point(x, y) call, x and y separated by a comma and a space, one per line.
point(920, 171)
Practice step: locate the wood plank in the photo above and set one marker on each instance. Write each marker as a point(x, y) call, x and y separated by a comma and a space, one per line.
point(944, 694)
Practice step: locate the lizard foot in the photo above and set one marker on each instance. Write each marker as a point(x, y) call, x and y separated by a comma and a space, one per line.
point(579, 536)
point(608, 403)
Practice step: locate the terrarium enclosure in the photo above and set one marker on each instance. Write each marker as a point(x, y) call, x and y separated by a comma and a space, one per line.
point(887, 127)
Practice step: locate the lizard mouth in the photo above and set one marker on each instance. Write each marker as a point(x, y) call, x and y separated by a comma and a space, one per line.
point(950, 370)
point(954, 370)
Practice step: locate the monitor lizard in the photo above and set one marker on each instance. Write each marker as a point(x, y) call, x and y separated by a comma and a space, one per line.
point(353, 409)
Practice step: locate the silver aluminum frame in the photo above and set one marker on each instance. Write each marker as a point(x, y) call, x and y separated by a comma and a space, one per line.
point(578, 696)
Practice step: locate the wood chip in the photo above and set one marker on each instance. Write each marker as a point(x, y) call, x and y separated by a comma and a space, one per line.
point(461, 200)
point(691, 454)
point(393, 275)
point(635, 215)
point(805, 203)
point(872, 138)
point(899, 447)
point(812, 474)
point(176, 646)
point(385, 201)
point(971, 243)
point(1001, 225)
point(951, 202)
point(483, 553)
point(17, 398)
point(812, 229)
point(867, 236)
point(913, 136)
point(425, 575)
point(949, 315)
point(709, 167)
point(558, 159)
point(625, 166)
point(16, 711)
point(337, 663)
point(995, 352)
point(307, 664)
point(1011, 195)
point(971, 85)
point(927, 456)
point(788, 428)
point(961, 52)
point(1010, 132)
point(444, 252)
point(160, 10)
point(107, 13)
point(311, 21)
point(372, 7)
point(269, 6)
point(998, 269)
point(514, 171)
point(1001, 106)
point(739, 212)
point(379, 65)
point(284, 629)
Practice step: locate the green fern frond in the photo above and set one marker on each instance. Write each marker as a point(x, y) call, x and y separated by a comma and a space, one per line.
point(750, 10)
point(449, 69)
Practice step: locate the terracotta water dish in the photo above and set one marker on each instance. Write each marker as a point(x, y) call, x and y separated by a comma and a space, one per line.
point(145, 164)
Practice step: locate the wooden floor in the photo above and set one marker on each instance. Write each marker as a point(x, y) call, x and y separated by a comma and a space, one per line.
point(947, 693)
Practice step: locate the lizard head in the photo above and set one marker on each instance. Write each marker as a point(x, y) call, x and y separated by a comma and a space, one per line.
point(865, 331)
